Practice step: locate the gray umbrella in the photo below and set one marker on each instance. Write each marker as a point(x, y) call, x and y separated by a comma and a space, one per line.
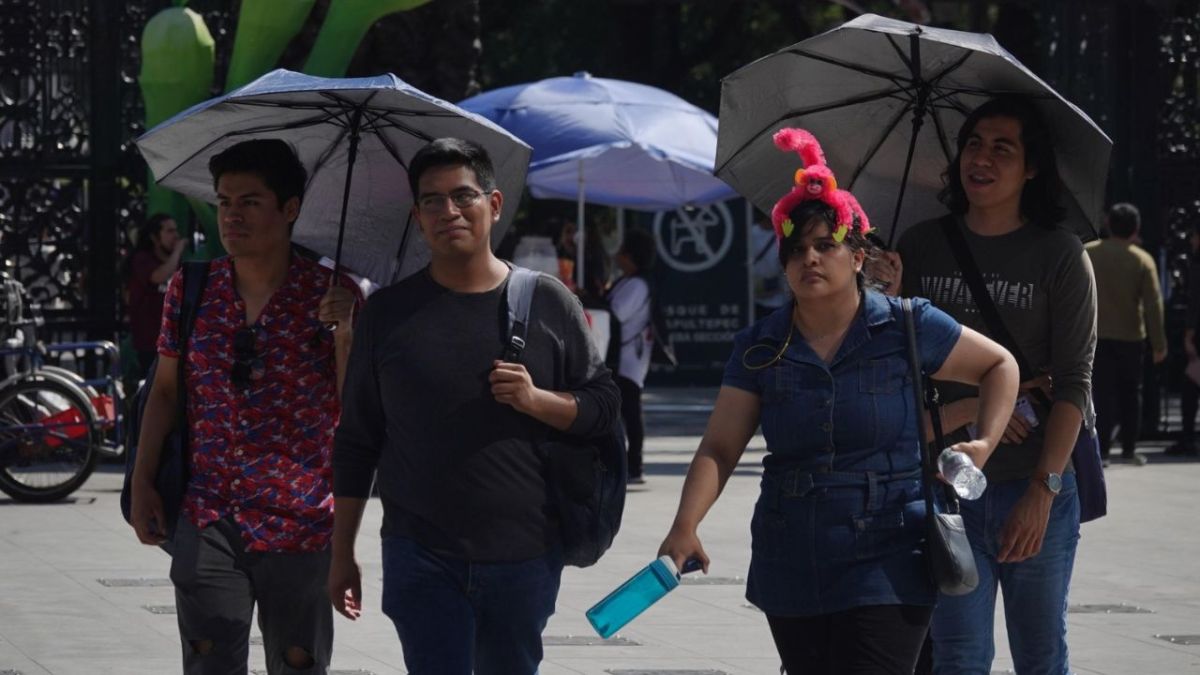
point(355, 136)
point(886, 99)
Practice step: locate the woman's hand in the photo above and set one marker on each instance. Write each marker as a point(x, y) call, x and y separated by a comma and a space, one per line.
point(978, 451)
point(683, 545)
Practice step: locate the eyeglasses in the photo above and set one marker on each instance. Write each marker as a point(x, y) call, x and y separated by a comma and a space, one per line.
point(247, 366)
point(436, 203)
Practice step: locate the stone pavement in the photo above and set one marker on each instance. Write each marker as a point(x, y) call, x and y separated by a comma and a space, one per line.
point(79, 595)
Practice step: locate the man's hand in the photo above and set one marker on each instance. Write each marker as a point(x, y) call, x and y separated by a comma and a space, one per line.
point(146, 514)
point(887, 269)
point(337, 308)
point(1159, 356)
point(512, 385)
point(345, 586)
point(1023, 532)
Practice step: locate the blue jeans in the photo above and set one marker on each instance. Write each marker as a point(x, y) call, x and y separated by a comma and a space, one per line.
point(1035, 590)
point(456, 617)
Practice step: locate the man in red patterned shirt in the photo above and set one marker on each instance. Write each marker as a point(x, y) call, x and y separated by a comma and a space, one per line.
point(263, 375)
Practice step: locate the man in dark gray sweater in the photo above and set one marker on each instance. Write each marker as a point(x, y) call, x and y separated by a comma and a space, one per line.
point(470, 547)
point(1025, 527)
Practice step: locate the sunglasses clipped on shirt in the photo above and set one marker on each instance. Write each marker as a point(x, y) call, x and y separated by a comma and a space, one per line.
point(247, 365)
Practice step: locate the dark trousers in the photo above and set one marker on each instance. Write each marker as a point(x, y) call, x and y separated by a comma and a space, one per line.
point(456, 617)
point(1117, 382)
point(631, 417)
point(874, 640)
point(1189, 401)
point(218, 583)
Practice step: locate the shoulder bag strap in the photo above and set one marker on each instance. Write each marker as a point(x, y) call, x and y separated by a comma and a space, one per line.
point(983, 299)
point(195, 278)
point(918, 380)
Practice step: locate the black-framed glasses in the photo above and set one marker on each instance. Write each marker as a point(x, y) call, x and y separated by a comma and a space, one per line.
point(247, 365)
point(436, 203)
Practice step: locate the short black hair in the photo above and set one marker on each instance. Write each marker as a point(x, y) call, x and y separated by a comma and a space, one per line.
point(1040, 196)
point(452, 152)
point(271, 159)
point(640, 247)
point(1124, 219)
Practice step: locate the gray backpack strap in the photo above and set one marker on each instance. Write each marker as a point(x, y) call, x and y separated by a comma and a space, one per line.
point(521, 284)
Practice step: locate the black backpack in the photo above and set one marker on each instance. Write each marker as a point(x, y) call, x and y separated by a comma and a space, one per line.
point(172, 478)
point(585, 477)
point(662, 348)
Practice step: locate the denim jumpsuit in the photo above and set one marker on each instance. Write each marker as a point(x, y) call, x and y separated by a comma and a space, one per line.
point(840, 518)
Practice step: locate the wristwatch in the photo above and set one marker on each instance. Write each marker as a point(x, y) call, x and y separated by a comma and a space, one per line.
point(1052, 481)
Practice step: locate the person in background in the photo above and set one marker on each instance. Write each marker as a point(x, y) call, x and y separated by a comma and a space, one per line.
point(1129, 307)
point(153, 263)
point(770, 286)
point(632, 305)
point(1189, 397)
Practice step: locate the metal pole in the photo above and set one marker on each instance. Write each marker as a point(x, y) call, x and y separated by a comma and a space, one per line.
point(355, 128)
point(579, 238)
point(914, 40)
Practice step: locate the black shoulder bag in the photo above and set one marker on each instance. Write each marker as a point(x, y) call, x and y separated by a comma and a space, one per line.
point(585, 477)
point(951, 561)
point(172, 477)
point(1085, 456)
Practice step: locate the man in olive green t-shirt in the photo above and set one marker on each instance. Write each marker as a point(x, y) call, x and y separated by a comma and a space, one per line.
point(1129, 307)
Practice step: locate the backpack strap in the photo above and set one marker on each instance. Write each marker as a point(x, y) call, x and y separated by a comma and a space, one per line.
point(195, 278)
point(521, 284)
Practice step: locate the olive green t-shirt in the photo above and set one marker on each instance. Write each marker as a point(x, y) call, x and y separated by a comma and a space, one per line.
point(1042, 283)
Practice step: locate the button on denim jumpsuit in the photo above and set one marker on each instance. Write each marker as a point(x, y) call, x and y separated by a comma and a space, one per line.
point(839, 521)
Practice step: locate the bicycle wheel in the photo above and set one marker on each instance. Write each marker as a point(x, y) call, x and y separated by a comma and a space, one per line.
point(47, 439)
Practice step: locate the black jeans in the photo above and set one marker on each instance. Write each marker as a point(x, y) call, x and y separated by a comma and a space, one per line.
point(1117, 382)
point(631, 417)
point(874, 640)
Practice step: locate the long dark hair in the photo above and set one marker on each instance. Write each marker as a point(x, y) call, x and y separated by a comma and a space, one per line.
point(1040, 196)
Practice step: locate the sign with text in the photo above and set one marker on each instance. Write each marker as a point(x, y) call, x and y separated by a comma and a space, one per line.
point(701, 287)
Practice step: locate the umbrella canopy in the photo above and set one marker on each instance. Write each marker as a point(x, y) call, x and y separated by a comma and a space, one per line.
point(626, 144)
point(356, 137)
point(886, 99)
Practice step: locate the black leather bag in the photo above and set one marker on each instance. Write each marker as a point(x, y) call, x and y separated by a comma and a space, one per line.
point(951, 561)
point(585, 478)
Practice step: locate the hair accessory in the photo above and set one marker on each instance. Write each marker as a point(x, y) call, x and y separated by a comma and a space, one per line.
point(814, 181)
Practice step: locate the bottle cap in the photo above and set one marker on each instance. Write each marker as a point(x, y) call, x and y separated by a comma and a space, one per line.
point(670, 565)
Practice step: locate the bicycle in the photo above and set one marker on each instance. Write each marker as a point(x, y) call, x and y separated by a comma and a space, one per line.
point(54, 424)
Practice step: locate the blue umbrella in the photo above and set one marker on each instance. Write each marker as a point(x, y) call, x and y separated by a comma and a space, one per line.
point(609, 142)
point(355, 136)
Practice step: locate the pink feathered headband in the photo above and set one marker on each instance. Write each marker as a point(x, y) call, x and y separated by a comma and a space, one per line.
point(814, 181)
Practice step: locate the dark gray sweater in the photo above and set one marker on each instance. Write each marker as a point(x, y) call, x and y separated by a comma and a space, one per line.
point(457, 471)
point(1043, 287)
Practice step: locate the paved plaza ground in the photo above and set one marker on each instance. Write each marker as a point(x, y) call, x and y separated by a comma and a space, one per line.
point(79, 595)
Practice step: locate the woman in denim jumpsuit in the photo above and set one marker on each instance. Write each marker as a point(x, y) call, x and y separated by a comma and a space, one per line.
point(837, 559)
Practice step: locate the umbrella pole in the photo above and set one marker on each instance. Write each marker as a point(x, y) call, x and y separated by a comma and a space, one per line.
point(917, 122)
point(579, 234)
point(355, 128)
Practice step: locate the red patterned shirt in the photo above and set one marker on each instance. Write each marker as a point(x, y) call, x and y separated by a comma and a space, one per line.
point(260, 451)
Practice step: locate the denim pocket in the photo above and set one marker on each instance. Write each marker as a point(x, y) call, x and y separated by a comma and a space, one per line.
point(878, 534)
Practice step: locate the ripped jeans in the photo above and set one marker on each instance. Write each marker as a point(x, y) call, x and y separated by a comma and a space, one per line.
point(218, 583)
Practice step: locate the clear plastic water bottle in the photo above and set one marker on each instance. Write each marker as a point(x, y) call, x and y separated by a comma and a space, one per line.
point(634, 596)
point(968, 481)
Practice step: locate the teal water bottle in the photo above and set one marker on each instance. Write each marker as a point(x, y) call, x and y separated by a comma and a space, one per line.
point(635, 595)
